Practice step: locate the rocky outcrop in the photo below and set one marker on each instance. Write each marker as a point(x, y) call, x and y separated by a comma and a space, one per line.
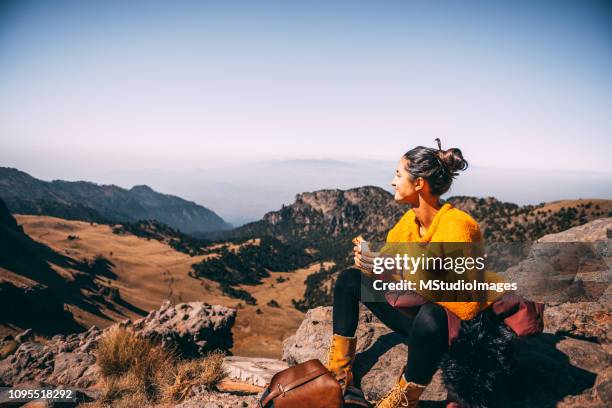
point(191, 328)
point(596, 230)
point(62, 360)
point(329, 214)
point(570, 266)
point(552, 369)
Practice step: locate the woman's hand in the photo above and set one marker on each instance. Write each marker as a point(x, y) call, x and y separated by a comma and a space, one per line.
point(364, 260)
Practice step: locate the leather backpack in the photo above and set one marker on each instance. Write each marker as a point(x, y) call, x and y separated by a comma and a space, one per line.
point(306, 385)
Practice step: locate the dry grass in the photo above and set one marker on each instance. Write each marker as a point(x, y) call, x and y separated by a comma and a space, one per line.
point(136, 372)
point(121, 351)
point(262, 335)
point(132, 366)
point(205, 373)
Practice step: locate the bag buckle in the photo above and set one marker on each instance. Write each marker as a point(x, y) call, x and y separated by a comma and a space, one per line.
point(281, 389)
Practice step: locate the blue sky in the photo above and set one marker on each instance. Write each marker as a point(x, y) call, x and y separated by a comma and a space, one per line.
point(90, 88)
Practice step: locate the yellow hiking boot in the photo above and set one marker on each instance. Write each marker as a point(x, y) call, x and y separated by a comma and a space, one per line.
point(403, 394)
point(341, 358)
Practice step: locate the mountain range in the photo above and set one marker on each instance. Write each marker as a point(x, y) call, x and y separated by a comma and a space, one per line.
point(82, 200)
point(105, 271)
point(371, 211)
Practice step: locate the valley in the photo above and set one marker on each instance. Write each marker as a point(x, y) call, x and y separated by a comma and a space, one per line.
point(147, 272)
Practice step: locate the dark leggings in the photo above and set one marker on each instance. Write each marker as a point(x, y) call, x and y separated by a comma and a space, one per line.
point(427, 331)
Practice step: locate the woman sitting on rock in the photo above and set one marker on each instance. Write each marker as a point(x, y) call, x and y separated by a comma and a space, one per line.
point(422, 176)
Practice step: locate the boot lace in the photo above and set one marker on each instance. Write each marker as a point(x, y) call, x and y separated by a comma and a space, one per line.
point(396, 398)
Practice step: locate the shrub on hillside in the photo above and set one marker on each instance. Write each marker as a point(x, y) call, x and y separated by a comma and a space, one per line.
point(273, 303)
point(238, 293)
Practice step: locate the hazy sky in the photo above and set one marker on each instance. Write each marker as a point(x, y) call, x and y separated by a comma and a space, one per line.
point(93, 87)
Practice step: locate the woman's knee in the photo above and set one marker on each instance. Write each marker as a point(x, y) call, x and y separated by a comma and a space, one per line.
point(349, 278)
point(430, 323)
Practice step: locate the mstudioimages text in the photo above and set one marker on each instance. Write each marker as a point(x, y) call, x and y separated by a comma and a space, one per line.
point(441, 285)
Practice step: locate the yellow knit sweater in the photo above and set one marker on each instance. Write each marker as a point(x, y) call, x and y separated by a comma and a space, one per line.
point(449, 225)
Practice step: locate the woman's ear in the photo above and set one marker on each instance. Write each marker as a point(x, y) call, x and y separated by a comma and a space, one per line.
point(419, 184)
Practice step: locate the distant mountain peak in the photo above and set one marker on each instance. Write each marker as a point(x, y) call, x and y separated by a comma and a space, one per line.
point(84, 200)
point(328, 214)
point(142, 188)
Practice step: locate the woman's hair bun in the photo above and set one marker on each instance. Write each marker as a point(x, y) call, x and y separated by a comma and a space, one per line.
point(453, 159)
point(439, 167)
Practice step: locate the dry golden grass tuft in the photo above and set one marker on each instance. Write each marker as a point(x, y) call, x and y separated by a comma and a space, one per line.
point(137, 372)
point(132, 366)
point(205, 373)
point(121, 351)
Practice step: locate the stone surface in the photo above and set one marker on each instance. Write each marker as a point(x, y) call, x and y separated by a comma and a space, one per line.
point(26, 335)
point(570, 266)
point(219, 400)
point(588, 320)
point(551, 370)
point(59, 361)
point(253, 370)
point(191, 328)
point(595, 230)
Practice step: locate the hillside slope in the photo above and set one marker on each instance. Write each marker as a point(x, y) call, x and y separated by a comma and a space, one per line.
point(36, 281)
point(508, 222)
point(81, 200)
point(136, 274)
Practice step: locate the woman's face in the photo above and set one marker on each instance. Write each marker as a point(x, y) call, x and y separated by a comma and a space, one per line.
point(406, 191)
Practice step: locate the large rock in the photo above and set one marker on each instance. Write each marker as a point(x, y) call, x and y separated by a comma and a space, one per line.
point(570, 266)
point(253, 370)
point(596, 230)
point(551, 370)
point(191, 328)
point(62, 360)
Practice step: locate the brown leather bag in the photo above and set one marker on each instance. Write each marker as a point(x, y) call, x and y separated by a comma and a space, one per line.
point(306, 385)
